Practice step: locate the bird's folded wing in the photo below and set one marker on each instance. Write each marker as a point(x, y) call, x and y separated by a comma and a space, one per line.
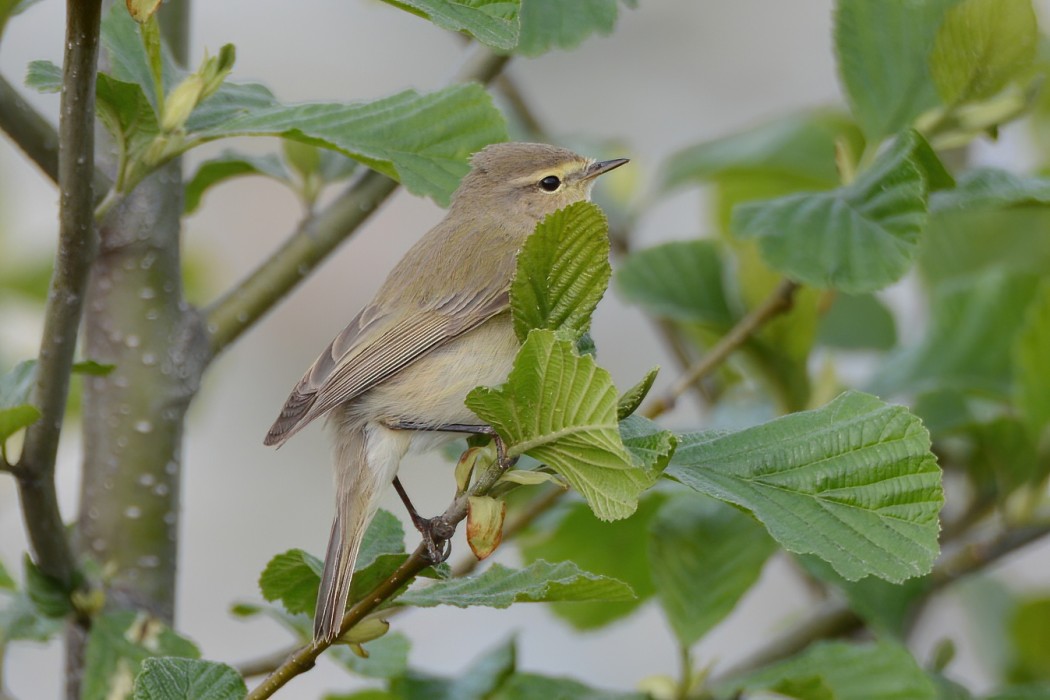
point(374, 346)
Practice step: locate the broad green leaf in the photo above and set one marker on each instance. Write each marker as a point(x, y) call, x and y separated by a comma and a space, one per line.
point(1037, 691)
point(969, 340)
point(631, 399)
point(981, 46)
point(618, 549)
point(886, 606)
point(858, 238)
point(188, 679)
point(560, 409)
point(118, 644)
point(562, 272)
point(44, 76)
point(799, 149)
point(292, 578)
point(1029, 630)
point(421, 140)
point(1003, 457)
point(478, 681)
point(858, 323)
point(873, 671)
point(959, 245)
point(20, 620)
point(531, 686)
point(48, 595)
point(387, 657)
point(704, 556)
point(492, 22)
point(990, 187)
point(230, 165)
point(882, 50)
point(554, 24)
point(681, 281)
point(15, 411)
point(499, 587)
point(1031, 384)
point(853, 482)
point(649, 444)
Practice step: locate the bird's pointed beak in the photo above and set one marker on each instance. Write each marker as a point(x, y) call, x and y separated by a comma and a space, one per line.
point(603, 166)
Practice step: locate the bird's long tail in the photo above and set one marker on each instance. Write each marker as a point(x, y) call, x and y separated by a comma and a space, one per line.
point(359, 486)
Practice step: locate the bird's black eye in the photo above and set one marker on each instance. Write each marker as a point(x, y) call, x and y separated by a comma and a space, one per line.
point(550, 183)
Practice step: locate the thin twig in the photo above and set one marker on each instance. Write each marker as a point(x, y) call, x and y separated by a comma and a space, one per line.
point(76, 251)
point(836, 619)
point(36, 136)
point(241, 307)
point(779, 302)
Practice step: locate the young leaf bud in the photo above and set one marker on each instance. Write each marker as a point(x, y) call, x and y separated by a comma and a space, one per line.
point(485, 524)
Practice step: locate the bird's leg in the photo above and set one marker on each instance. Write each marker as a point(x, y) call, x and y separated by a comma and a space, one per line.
point(436, 532)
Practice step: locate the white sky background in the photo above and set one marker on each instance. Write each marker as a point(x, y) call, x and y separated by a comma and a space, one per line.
point(674, 72)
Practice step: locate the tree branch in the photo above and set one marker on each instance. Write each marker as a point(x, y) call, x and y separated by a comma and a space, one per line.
point(76, 250)
point(241, 307)
point(779, 302)
point(837, 619)
point(35, 135)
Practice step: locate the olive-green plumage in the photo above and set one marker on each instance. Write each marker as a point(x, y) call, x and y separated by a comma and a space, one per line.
point(438, 326)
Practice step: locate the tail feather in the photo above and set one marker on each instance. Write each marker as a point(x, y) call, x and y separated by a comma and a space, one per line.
point(359, 486)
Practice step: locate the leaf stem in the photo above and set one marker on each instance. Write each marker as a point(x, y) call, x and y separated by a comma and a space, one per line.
point(779, 302)
point(76, 251)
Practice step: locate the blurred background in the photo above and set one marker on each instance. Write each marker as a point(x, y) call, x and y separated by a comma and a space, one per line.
point(673, 73)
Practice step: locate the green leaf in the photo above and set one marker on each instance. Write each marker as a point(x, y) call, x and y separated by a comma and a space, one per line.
point(387, 657)
point(6, 582)
point(991, 187)
point(705, 556)
point(631, 399)
point(799, 148)
point(230, 165)
point(492, 22)
point(853, 482)
point(1004, 457)
point(681, 281)
point(875, 671)
point(1031, 351)
point(421, 140)
point(1029, 630)
point(292, 578)
point(562, 272)
point(882, 50)
point(49, 597)
point(531, 686)
point(981, 46)
point(1039, 691)
point(117, 646)
point(550, 24)
point(91, 368)
point(857, 238)
point(499, 587)
point(560, 409)
point(618, 550)
point(15, 411)
point(20, 620)
point(478, 681)
point(649, 445)
point(858, 323)
point(969, 340)
point(188, 679)
point(44, 76)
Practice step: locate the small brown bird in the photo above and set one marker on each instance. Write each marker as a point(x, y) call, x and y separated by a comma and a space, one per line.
point(438, 327)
